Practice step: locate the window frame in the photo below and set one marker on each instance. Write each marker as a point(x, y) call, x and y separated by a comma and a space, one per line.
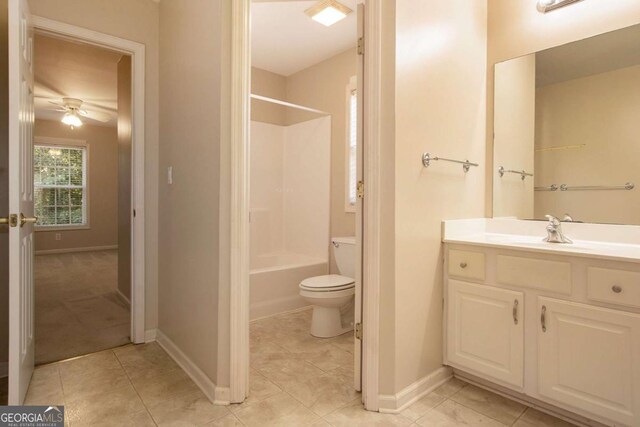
point(68, 143)
point(348, 206)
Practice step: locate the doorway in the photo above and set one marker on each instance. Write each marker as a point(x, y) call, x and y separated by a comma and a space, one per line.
point(304, 84)
point(82, 181)
point(23, 27)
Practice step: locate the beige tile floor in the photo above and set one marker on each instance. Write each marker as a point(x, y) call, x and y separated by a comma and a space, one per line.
point(296, 380)
point(77, 309)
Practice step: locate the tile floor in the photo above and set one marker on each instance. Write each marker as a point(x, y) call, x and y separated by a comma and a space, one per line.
point(296, 380)
point(77, 308)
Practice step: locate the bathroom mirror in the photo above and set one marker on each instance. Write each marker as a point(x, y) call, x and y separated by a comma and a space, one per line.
point(567, 131)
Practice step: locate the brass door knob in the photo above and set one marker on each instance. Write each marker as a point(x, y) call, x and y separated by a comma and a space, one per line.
point(11, 220)
point(24, 220)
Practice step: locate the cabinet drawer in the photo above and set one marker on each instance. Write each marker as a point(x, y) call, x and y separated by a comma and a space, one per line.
point(614, 286)
point(554, 276)
point(466, 264)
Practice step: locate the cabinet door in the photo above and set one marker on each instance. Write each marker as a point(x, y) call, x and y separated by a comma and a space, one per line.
point(485, 331)
point(589, 358)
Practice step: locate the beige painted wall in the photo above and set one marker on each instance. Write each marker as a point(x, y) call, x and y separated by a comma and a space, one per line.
point(515, 103)
point(440, 108)
point(135, 20)
point(4, 185)
point(190, 93)
point(602, 112)
point(323, 87)
point(124, 176)
point(103, 187)
point(516, 28)
point(271, 85)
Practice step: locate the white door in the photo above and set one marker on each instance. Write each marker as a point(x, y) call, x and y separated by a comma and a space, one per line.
point(485, 331)
point(357, 377)
point(589, 358)
point(21, 116)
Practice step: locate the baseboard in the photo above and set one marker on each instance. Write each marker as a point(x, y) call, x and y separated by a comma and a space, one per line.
point(273, 307)
point(295, 310)
point(71, 250)
point(123, 297)
point(208, 387)
point(4, 369)
point(394, 404)
point(150, 335)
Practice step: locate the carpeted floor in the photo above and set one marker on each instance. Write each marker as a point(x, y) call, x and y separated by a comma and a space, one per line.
point(78, 310)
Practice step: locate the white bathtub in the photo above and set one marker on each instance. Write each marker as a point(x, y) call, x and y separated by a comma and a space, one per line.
point(274, 281)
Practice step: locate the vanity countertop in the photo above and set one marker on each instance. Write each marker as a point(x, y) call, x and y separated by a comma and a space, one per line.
point(610, 242)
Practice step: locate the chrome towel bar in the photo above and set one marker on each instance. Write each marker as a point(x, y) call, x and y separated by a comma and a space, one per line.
point(427, 159)
point(564, 187)
point(523, 174)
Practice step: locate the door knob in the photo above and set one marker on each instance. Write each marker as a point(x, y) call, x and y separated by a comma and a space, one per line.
point(30, 220)
point(11, 220)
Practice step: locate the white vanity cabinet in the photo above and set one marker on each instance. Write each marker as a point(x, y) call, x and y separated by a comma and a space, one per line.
point(561, 330)
point(485, 330)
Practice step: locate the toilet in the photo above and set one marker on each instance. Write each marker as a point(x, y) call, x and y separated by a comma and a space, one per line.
point(332, 295)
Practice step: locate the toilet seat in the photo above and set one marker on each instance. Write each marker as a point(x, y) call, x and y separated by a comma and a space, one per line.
point(328, 283)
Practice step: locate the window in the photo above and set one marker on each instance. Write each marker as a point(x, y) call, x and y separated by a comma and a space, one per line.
point(352, 143)
point(60, 185)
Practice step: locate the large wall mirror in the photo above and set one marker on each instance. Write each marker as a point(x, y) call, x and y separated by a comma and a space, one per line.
point(567, 131)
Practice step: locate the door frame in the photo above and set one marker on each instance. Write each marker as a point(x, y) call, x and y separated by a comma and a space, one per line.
point(137, 52)
point(240, 90)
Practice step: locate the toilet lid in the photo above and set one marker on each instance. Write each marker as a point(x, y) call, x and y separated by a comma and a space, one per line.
point(333, 282)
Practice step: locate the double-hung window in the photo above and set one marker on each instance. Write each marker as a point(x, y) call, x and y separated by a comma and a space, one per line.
point(352, 143)
point(60, 185)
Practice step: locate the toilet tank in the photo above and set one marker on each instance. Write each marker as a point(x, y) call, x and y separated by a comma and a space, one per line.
point(344, 249)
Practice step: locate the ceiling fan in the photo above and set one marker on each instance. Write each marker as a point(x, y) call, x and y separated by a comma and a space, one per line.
point(73, 111)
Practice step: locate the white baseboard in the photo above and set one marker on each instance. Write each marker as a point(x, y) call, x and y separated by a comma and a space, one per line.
point(4, 369)
point(123, 297)
point(394, 404)
point(71, 250)
point(214, 394)
point(295, 310)
point(150, 335)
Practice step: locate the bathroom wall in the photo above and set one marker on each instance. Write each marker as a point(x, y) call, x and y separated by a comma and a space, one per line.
point(135, 20)
point(190, 129)
point(516, 28)
point(103, 188)
point(271, 85)
point(440, 107)
point(575, 112)
point(323, 86)
point(514, 136)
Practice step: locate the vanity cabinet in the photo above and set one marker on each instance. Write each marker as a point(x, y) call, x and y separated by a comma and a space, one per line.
point(564, 331)
point(588, 358)
point(485, 332)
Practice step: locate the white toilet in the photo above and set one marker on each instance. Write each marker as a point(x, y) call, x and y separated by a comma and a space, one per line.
point(332, 295)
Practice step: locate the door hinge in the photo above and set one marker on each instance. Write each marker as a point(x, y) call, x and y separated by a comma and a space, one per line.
point(360, 191)
point(358, 331)
point(361, 46)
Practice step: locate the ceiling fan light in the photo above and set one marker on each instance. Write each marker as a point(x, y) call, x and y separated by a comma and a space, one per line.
point(72, 120)
point(328, 12)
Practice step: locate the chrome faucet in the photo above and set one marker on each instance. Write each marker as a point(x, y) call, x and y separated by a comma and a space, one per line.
point(568, 218)
point(554, 231)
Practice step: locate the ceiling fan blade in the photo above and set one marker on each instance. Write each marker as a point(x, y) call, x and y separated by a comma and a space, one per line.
point(98, 116)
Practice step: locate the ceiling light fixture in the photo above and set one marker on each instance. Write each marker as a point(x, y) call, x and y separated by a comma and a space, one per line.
point(72, 120)
point(545, 6)
point(328, 12)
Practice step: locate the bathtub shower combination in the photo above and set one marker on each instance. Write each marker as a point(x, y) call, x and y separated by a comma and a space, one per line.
point(289, 206)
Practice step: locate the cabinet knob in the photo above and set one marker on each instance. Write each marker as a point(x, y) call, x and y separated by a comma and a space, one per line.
point(463, 264)
point(616, 288)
